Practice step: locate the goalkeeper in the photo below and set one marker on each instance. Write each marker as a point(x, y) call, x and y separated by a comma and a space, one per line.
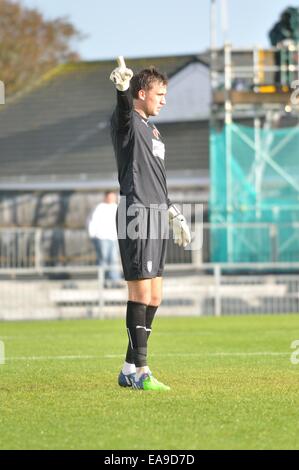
point(140, 151)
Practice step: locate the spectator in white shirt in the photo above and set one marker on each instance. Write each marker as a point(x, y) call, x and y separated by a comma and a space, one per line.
point(103, 234)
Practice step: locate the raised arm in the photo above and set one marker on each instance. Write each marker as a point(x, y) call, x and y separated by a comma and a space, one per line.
point(121, 77)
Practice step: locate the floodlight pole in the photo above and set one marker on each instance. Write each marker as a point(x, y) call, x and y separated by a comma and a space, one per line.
point(227, 106)
point(213, 27)
point(228, 110)
point(213, 44)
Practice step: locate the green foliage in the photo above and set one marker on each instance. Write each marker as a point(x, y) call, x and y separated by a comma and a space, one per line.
point(30, 45)
point(287, 28)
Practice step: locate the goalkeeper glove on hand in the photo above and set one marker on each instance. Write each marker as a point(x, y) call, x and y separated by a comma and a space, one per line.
point(181, 232)
point(121, 77)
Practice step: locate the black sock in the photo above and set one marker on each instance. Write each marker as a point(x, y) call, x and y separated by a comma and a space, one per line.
point(136, 327)
point(149, 317)
point(150, 314)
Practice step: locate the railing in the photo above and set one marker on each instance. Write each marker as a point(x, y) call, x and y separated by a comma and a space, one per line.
point(213, 289)
point(39, 248)
point(245, 68)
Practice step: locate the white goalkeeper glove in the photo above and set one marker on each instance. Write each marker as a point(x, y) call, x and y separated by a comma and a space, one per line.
point(181, 232)
point(121, 76)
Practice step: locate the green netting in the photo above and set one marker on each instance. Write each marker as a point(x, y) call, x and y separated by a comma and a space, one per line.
point(254, 179)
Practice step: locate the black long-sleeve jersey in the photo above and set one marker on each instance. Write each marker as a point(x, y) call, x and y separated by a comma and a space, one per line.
point(139, 152)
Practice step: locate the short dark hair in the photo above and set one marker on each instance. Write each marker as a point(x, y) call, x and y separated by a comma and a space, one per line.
point(144, 79)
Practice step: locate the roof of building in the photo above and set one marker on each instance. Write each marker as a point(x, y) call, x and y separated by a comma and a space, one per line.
point(59, 129)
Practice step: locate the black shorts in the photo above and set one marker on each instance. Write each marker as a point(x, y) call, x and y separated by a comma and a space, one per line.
point(142, 239)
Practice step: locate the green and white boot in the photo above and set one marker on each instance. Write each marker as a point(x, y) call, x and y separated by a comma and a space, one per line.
point(148, 382)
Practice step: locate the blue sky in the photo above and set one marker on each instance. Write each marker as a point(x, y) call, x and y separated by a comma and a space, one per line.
point(156, 28)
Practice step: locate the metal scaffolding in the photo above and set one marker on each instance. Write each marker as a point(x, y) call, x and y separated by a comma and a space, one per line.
point(256, 87)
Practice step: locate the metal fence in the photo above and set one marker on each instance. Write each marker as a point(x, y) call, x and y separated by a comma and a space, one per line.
point(212, 289)
point(39, 248)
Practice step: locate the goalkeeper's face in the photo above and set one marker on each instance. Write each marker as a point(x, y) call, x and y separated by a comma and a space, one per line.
point(153, 99)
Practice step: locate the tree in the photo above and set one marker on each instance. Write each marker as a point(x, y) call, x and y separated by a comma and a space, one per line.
point(287, 28)
point(30, 45)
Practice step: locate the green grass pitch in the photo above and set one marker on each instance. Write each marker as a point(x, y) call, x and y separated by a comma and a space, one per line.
point(233, 385)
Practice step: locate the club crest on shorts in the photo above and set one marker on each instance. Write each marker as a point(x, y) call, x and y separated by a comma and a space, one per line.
point(149, 266)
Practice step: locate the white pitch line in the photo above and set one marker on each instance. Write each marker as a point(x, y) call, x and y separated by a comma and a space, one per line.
point(115, 356)
point(216, 354)
point(49, 358)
